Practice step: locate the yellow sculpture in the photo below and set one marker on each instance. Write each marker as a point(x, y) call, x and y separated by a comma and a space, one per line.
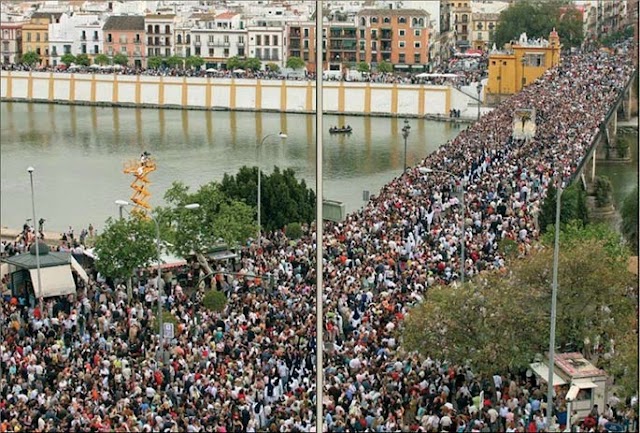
point(140, 169)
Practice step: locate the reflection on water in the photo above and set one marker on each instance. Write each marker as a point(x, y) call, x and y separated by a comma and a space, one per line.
point(79, 152)
point(624, 177)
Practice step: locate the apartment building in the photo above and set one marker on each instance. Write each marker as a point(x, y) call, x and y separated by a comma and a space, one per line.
point(10, 39)
point(462, 15)
point(182, 38)
point(35, 34)
point(90, 37)
point(219, 38)
point(125, 34)
point(485, 17)
point(341, 45)
point(160, 34)
point(399, 36)
point(66, 38)
point(302, 42)
point(267, 43)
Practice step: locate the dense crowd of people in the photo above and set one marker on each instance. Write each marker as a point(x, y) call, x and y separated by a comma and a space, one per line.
point(91, 364)
point(397, 77)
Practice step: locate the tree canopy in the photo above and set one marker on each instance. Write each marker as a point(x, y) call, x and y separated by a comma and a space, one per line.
point(102, 59)
point(68, 59)
point(537, 18)
point(124, 245)
point(252, 64)
point(154, 62)
point(573, 206)
point(194, 62)
point(295, 63)
point(120, 59)
point(174, 62)
point(30, 58)
point(219, 218)
point(285, 199)
point(385, 67)
point(500, 320)
point(362, 67)
point(83, 60)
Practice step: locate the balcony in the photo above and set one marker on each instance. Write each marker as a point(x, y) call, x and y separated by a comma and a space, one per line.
point(294, 33)
point(386, 35)
point(83, 38)
point(294, 45)
point(197, 44)
point(240, 44)
point(137, 42)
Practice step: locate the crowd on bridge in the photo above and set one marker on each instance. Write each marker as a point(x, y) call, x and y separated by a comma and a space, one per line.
point(89, 364)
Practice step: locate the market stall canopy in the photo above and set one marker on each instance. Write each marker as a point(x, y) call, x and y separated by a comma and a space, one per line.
point(542, 371)
point(56, 281)
point(47, 258)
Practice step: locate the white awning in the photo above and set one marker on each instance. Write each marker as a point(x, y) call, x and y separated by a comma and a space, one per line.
point(577, 385)
point(56, 281)
point(542, 371)
point(79, 269)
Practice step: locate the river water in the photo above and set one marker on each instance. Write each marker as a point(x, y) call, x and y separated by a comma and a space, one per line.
point(78, 153)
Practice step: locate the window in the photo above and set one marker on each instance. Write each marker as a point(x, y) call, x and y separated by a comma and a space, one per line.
point(226, 52)
point(491, 26)
point(167, 29)
point(402, 20)
point(167, 52)
point(401, 58)
point(179, 39)
point(226, 39)
point(416, 32)
point(274, 54)
point(401, 44)
point(211, 51)
point(479, 26)
point(84, 49)
point(96, 50)
point(197, 51)
point(374, 20)
point(188, 39)
point(306, 45)
point(28, 36)
point(363, 21)
point(156, 29)
point(149, 28)
point(362, 33)
point(275, 40)
point(258, 40)
point(241, 39)
point(305, 56)
point(386, 20)
point(259, 53)
point(374, 34)
point(401, 33)
point(197, 38)
point(95, 36)
point(306, 33)
point(37, 37)
point(374, 46)
point(465, 18)
point(479, 36)
point(123, 50)
point(416, 58)
point(67, 49)
point(266, 40)
point(416, 44)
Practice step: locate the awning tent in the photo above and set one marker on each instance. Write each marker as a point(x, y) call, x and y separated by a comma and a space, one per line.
point(55, 280)
point(542, 371)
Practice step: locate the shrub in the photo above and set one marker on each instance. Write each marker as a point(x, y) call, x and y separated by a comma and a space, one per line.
point(214, 300)
point(293, 231)
point(602, 190)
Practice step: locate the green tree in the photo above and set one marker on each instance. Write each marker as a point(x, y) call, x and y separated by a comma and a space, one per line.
point(602, 188)
point(215, 301)
point(273, 67)
point(629, 226)
point(295, 63)
point(234, 62)
point(573, 206)
point(384, 67)
point(483, 321)
point(83, 60)
point(285, 200)
point(194, 62)
point(537, 18)
point(362, 67)
point(68, 59)
point(120, 59)
point(219, 218)
point(30, 58)
point(253, 64)
point(154, 62)
point(125, 245)
point(102, 59)
point(175, 62)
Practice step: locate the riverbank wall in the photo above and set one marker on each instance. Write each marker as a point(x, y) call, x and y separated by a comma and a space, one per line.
point(196, 93)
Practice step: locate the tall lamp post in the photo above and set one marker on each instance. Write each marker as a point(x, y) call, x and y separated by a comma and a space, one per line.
point(405, 134)
point(425, 170)
point(479, 89)
point(37, 244)
point(554, 295)
point(122, 204)
point(283, 136)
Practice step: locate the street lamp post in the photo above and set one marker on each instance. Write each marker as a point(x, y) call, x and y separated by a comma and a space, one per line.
point(479, 89)
point(122, 204)
point(554, 295)
point(405, 134)
point(37, 246)
point(283, 136)
point(425, 170)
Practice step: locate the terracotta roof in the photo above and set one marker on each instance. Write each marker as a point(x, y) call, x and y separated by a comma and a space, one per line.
point(393, 12)
point(124, 22)
point(226, 15)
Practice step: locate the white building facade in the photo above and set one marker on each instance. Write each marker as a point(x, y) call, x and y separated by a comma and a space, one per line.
point(218, 39)
point(267, 44)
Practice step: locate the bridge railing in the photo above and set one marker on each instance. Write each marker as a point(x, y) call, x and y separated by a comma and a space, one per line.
point(602, 127)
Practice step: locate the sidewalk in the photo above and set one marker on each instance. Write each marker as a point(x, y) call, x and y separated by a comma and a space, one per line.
point(50, 238)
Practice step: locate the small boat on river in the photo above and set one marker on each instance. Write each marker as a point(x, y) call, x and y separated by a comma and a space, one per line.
point(344, 130)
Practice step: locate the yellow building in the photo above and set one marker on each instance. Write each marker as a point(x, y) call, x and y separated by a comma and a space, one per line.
point(35, 34)
point(526, 61)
